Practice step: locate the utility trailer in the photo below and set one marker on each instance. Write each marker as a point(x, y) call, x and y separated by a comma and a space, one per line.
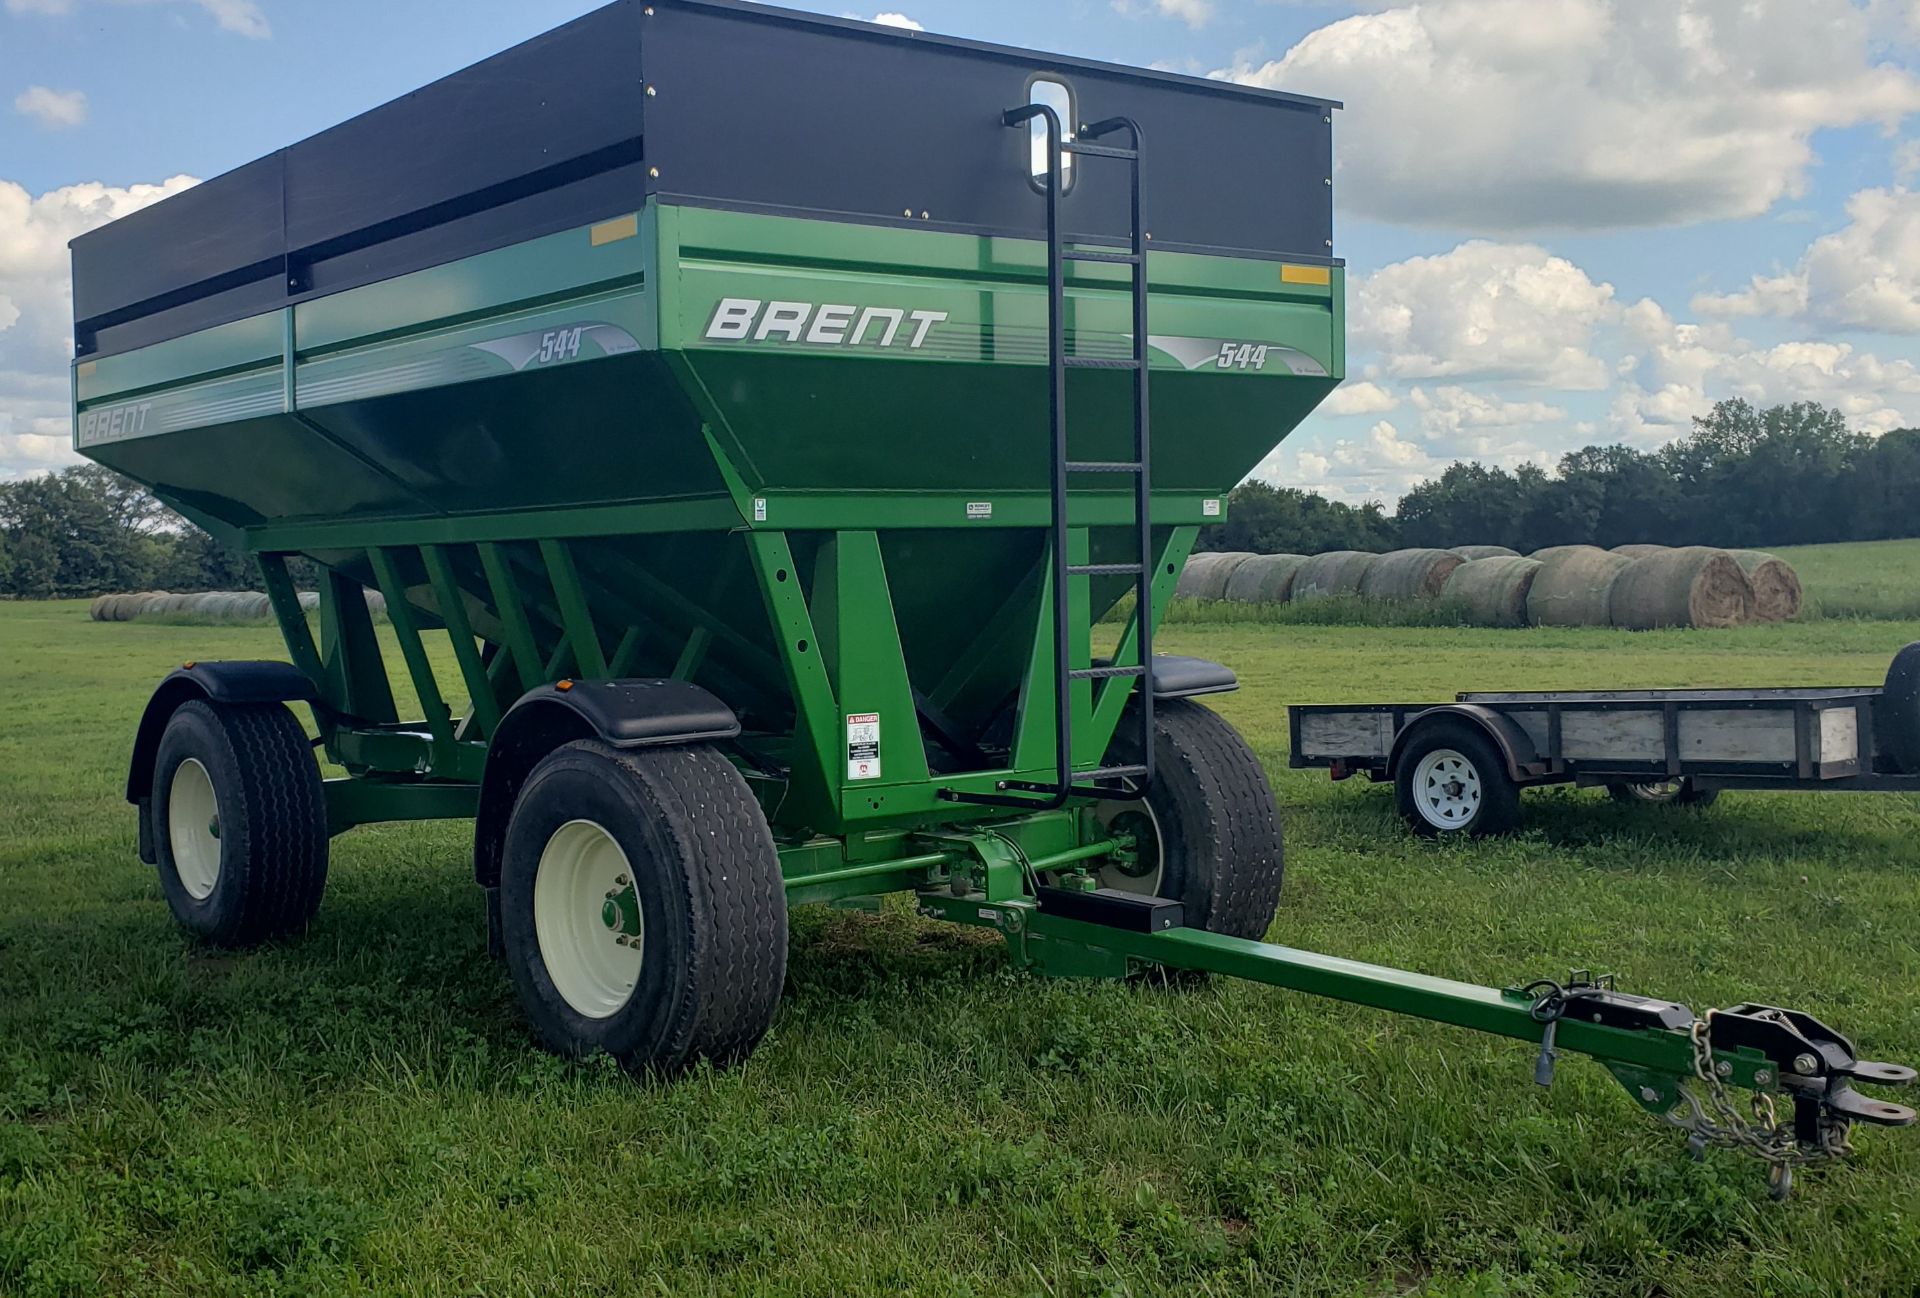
point(1459, 767)
point(703, 371)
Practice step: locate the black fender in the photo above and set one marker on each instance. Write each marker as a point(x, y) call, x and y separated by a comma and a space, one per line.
point(1178, 677)
point(221, 682)
point(623, 714)
point(1522, 758)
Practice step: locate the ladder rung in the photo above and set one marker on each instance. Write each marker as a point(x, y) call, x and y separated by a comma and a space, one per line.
point(1104, 570)
point(1112, 773)
point(1112, 258)
point(1100, 363)
point(1104, 466)
point(1086, 150)
point(1106, 673)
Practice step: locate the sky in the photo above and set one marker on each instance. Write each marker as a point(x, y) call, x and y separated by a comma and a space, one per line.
point(1566, 222)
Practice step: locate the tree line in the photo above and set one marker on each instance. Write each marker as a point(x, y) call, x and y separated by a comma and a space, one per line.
point(1743, 478)
point(88, 531)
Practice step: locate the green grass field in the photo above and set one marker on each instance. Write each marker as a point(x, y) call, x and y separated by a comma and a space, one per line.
point(1871, 579)
point(360, 1111)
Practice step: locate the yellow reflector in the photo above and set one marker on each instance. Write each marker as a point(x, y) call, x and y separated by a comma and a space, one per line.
point(614, 231)
point(1306, 275)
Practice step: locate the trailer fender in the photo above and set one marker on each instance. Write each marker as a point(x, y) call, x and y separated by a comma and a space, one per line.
point(1523, 759)
point(623, 714)
point(222, 682)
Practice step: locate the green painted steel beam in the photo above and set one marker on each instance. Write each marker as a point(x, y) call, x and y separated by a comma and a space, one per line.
point(363, 801)
point(512, 612)
point(413, 651)
point(482, 704)
point(576, 613)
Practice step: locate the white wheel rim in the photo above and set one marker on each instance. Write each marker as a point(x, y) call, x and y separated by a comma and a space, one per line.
point(1115, 877)
point(594, 962)
point(193, 829)
point(1447, 789)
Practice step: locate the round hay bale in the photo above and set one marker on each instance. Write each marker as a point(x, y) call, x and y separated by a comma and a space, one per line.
point(377, 602)
point(1776, 586)
point(309, 600)
point(1493, 591)
point(1472, 552)
point(1265, 578)
point(1640, 551)
point(1338, 572)
point(255, 606)
point(98, 609)
point(1574, 586)
point(120, 607)
point(1692, 587)
point(1205, 576)
point(1409, 574)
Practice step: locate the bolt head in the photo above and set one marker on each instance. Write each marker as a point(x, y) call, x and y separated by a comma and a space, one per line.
point(1650, 1095)
point(1763, 1078)
point(1723, 1068)
point(622, 881)
point(1805, 1065)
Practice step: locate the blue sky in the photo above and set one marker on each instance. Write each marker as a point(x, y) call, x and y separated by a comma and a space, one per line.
point(1568, 220)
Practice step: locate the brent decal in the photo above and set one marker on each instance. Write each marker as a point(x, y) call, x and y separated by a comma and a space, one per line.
point(742, 319)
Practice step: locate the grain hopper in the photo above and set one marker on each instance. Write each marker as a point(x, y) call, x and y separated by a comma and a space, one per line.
point(767, 408)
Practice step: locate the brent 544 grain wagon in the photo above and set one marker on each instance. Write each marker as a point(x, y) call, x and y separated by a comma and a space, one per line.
point(767, 407)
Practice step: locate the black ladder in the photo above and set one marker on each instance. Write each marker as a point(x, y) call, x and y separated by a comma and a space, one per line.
point(1113, 782)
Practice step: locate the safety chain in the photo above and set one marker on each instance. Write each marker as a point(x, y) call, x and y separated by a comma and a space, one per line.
point(1762, 1135)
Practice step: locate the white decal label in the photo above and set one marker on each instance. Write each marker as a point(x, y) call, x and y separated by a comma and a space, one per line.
point(759, 509)
point(978, 509)
point(863, 746)
point(1210, 509)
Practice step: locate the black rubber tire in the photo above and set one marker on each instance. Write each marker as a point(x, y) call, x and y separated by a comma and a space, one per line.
point(272, 817)
point(1896, 718)
point(711, 893)
point(1224, 858)
point(1686, 796)
point(1499, 808)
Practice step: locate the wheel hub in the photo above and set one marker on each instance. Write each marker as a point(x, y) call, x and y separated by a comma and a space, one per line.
point(1138, 861)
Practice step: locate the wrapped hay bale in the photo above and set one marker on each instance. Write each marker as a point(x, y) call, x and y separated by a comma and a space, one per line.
point(1205, 576)
point(1692, 587)
point(1640, 551)
point(1409, 574)
point(1265, 579)
point(1493, 591)
point(1574, 586)
point(1338, 572)
point(1776, 586)
point(1472, 552)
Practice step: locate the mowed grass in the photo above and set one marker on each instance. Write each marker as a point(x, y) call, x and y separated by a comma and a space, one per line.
point(360, 1111)
point(1870, 579)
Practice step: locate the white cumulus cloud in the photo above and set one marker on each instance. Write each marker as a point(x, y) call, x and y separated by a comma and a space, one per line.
point(1361, 398)
point(1488, 311)
point(1865, 276)
point(243, 17)
point(1194, 13)
point(49, 107)
point(892, 19)
point(1519, 115)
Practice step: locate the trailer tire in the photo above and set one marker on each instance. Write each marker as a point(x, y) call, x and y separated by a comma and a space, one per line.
point(1897, 718)
point(685, 960)
point(240, 822)
point(1670, 793)
point(1213, 821)
point(1451, 780)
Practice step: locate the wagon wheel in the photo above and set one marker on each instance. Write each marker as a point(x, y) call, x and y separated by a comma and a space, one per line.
point(1673, 793)
point(642, 907)
point(240, 822)
point(1450, 780)
point(1208, 832)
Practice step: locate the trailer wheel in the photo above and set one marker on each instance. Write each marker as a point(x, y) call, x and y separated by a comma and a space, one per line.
point(1671, 793)
point(240, 822)
point(1897, 717)
point(1208, 831)
point(642, 907)
point(1452, 780)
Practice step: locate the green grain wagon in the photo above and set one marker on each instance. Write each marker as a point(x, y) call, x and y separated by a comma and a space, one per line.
point(768, 408)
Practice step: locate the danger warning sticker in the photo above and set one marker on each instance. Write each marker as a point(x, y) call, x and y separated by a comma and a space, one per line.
point(863, 746)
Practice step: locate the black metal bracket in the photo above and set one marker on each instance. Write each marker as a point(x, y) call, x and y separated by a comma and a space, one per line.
point(1814, 1064)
